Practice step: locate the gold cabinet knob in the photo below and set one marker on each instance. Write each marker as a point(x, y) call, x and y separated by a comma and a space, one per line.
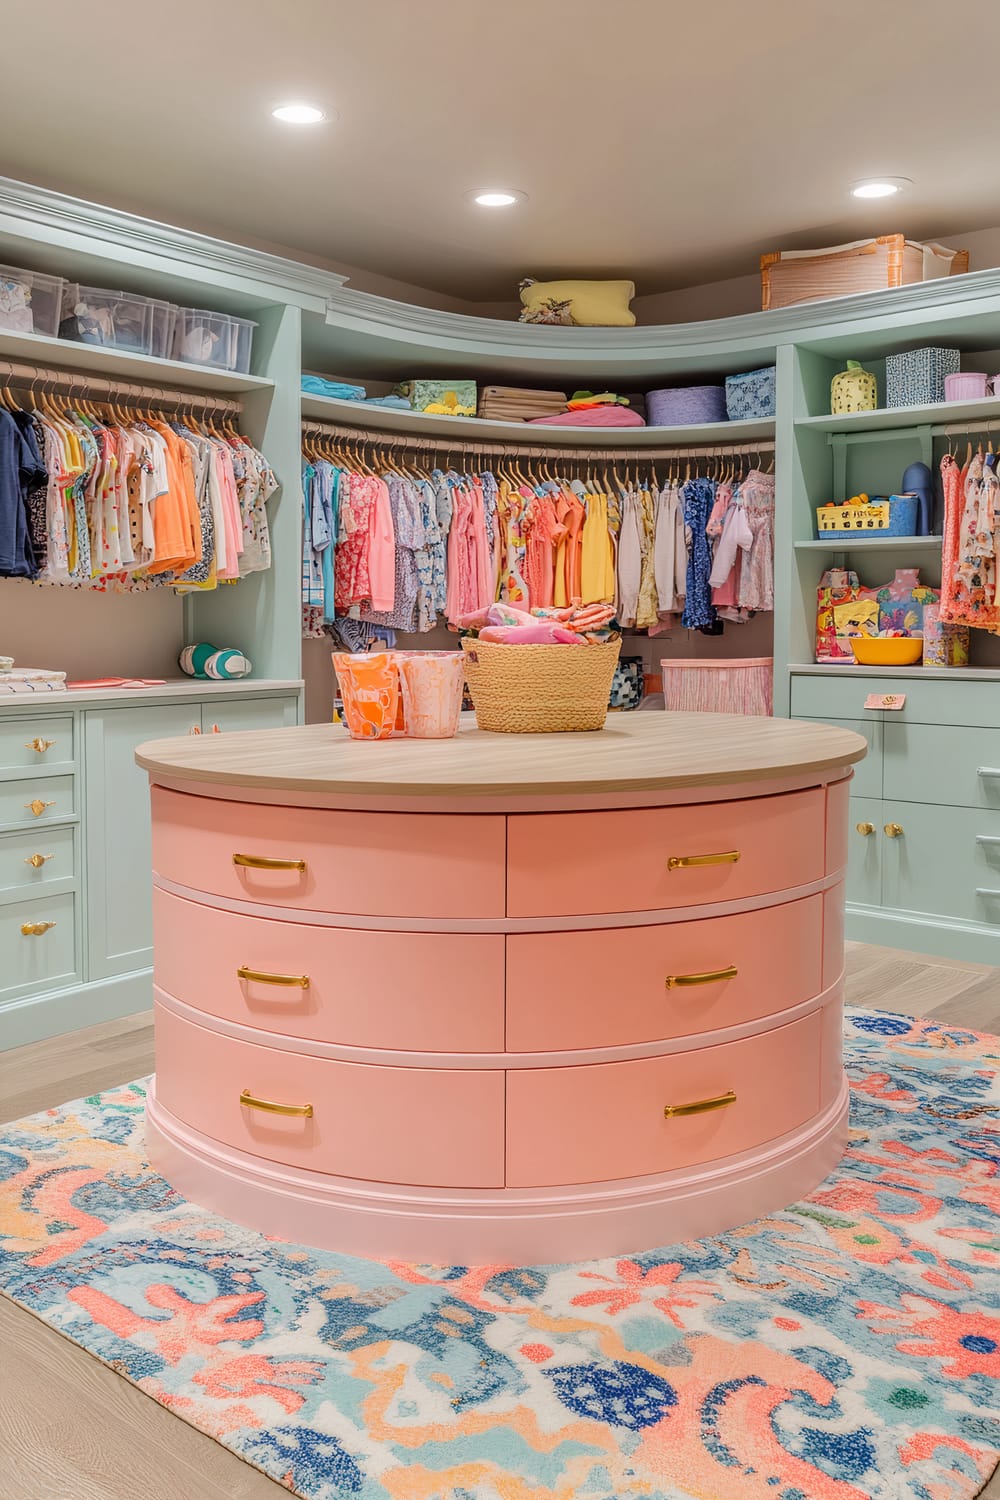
point(39, 744)
point(894, 830)
point(38, 806)
point(35, 929)
point(37, 860)
point(865, 829)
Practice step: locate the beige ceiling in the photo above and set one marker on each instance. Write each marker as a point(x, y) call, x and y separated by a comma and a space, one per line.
point(667, 140)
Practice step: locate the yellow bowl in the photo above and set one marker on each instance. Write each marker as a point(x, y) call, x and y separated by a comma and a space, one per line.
point(887, 651)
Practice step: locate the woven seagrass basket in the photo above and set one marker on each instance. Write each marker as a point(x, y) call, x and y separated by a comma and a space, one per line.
point(540, 689)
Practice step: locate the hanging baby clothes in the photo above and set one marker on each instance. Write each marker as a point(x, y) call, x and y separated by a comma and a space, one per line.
point(408, 537)
point(728, 523)
point(597, 564)
point(126, 505)
point(697, 496)
point(647, 611)
point(629, 561)
point(756, 588)
point(670, 553)
point(968, 559)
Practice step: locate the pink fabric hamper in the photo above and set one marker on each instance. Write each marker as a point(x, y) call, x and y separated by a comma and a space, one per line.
point(719, 685)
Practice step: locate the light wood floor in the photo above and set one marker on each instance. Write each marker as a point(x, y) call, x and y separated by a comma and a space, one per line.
point(70, 1429)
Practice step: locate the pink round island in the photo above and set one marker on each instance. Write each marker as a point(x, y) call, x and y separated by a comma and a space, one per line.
point(500, 998)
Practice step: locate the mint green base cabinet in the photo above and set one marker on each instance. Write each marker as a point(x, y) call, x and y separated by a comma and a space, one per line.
point(864, 856)
point(90, 884)
point(119, 892)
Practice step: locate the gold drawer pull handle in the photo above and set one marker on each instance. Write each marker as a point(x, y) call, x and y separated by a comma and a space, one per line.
point(894, 830)
point(259, 862)
point(39, 744)
point(684, 861)
point(37, 860)
point(865, 829)
point(35, 929)
point(700, 1106)
point(250, 1101)
point(684, 981)
point(38, 806)
point(260, 976)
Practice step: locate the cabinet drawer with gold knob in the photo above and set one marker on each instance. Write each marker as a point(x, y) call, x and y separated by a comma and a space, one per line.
point(36, 742)
point(31, 862)
point(605, 1121)
point(38, 943)
point(36, 800)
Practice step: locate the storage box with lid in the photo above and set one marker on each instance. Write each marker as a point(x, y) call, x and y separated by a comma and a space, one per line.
point(440, 397)
point(216, 339)
point(917, 377)
point(117, 320)
point(750, 395)
point(719, 685)
point(891, 260)
point(30, 301)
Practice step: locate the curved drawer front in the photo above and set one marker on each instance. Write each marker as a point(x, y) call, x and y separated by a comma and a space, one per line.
point(621, 986)
point(610, 1121)
point(420, 1126)
point(364, 864)
point(569, 864)
point(421, 992)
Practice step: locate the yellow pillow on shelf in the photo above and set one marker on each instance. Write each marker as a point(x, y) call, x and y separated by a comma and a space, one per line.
point(588, 304)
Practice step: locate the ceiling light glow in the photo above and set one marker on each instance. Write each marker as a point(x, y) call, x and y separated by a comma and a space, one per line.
point(879, 187)
point(299, 114)
point(496, 197)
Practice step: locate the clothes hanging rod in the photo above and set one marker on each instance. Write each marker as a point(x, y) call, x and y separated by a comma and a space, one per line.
point(517, 450)
point(26, 376)
point(964, 429)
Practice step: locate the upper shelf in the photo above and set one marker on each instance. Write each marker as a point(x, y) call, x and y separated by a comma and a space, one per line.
point(142, 369)
point(466, 431)
point(934, 414)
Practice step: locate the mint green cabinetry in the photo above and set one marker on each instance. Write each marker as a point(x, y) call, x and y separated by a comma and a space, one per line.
point(864, 853)
point(119, 915)
point(250, 713)
point(942, 763)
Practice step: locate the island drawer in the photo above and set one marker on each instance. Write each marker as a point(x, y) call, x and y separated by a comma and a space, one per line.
point(606, 1121)
point(402, 991)
point(621, 986)
point(352, 863)
point(568, 864)
point(424, 1126)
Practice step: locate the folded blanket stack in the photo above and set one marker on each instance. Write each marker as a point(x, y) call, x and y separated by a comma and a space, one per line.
point(505, 403)
point(32, 680)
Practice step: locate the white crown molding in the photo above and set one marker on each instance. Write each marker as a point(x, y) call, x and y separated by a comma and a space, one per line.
point(26, 210)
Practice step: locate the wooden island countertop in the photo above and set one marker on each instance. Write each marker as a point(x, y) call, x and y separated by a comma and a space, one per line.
point(637, 753)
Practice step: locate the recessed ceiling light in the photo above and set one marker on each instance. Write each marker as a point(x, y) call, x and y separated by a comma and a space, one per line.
point(496, 197)
point(299, 114)
point(880, 187)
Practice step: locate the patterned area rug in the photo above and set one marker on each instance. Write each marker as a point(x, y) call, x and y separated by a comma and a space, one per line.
point(847, 1349)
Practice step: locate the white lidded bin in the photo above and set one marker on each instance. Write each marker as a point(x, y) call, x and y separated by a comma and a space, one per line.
point(115, 320)
point(719, 685)
point(213, 338)
point(30, 301)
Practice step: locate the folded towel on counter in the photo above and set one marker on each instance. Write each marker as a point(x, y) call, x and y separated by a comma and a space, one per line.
point(593, 416)
point(10, 683)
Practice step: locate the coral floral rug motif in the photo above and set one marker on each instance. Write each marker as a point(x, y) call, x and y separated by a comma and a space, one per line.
point(846, 1349)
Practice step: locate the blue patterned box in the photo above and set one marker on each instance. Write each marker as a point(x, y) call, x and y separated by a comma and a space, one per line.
point(750, 395)
point(917, 377)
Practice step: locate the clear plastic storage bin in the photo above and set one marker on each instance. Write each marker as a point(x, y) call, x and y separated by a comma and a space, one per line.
point(213, 338)
point(118, 320)
point(164, 329)
point(30, 301)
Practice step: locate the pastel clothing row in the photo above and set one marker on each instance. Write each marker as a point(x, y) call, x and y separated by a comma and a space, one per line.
point(125, 507)
point(969, 574)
